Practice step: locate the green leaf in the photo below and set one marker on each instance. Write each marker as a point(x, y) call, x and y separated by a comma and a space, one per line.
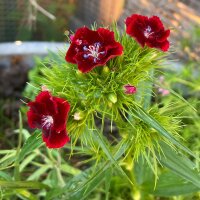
point(143, 172)
point(7, 151)
point(22, 184)
point(39, 172)
point(22, 193)
point(108, 178)
point(26, 161)
point(69, 169)
point(25, 133)
point(33, 142)
point(5, 176)
point(182, 99)
point(89, 186)
point(179, 164)
point(170, 184)
point(147, 118)
point(7, 160)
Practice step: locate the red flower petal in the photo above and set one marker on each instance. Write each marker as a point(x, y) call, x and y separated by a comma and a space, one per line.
point(107, 36)
point(164, 45)
point(34, 120)
point(86, 35)
point(63, 108)
point(113, 52)
point(37, 107)
point(85, 65)
point(163, 36)
point(45, 97)
point(70, 54)
point(55, 139)
point(135, 26)
point(155, 23)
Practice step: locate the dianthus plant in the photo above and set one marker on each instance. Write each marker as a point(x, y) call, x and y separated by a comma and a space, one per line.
point(97, 95)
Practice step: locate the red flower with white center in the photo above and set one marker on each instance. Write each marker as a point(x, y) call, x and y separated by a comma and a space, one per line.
point(130, 89)
point(89, 49)
point(49, 113)
point(149, 31)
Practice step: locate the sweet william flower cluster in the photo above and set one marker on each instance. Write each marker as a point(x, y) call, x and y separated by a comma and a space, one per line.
point(90, 49)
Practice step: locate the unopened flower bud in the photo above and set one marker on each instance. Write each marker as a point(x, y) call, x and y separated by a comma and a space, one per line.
point(161, 79)
point(110, 104)
point(78, 116)
point(130, 89)
point(79, 74)
point(44, 88)
point(71, 37)
point(112, 97)
point(105, 70)
point(163, 92)
point(66, 33)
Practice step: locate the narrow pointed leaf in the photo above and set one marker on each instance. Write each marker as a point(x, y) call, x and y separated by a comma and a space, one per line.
point(22, 184)
point(33, 142)
point(179, 164)
point(170, 184)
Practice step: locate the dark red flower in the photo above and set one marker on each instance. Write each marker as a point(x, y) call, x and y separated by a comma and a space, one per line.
point(89, 49)
point(149, 31)
point(49, 113)
point(130, 89)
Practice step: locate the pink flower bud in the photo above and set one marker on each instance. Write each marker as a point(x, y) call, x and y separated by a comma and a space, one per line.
point(71, 37)
point(130, 89)
point(163, 92)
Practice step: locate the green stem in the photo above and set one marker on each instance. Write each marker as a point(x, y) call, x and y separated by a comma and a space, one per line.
point(135, 192)
point(59, 174)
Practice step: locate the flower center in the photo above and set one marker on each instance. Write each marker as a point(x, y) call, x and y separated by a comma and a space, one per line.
point(148, 32)
point(47, 121)
point(93, 51)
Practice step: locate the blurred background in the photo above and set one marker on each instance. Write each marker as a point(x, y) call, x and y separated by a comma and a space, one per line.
point(29, 27)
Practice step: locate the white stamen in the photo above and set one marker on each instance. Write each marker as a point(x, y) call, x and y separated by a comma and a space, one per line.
point(148, 32)
point(47, 121)
point(93, 51)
